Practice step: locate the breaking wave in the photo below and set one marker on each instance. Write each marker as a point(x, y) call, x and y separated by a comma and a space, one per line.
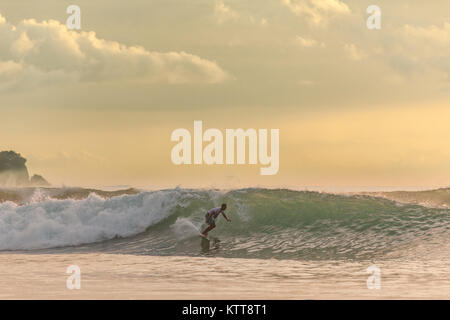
point(265, 223)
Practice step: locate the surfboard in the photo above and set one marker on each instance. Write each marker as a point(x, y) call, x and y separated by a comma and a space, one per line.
point(204, 237)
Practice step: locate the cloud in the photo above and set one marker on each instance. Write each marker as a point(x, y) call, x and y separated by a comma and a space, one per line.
point(317, 12)
point(432, 34)
point(9, 69)
point(425, 42)
point(354, 52)
point(421, 50)
point(34, 52)
point(224, 13)
point(308, 43)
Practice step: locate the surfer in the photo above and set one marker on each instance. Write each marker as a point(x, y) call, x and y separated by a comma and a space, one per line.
point(211, 216)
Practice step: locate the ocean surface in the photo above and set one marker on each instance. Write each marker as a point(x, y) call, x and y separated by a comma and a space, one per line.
point(280, 243)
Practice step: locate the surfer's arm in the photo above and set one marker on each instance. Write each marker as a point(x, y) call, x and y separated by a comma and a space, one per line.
point(225, 216)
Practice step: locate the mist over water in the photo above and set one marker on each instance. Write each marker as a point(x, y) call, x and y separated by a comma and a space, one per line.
point(281, 224)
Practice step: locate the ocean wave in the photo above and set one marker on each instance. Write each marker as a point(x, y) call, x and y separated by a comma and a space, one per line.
point(438, 198)
point(266, 224)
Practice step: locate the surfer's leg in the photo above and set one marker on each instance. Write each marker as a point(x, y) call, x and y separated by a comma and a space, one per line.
point(211, 226)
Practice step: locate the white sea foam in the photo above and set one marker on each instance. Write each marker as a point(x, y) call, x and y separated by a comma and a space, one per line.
point(53, 223)
point(184, 228)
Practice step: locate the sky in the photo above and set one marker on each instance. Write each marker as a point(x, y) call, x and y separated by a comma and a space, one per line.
point(356, 108)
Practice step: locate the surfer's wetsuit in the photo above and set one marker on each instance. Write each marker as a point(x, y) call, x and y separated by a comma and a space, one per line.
point(211, 215)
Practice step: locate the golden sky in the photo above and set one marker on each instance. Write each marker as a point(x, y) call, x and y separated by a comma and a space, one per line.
point(356, 108)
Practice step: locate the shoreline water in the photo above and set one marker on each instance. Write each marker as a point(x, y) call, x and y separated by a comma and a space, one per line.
point(117, 276)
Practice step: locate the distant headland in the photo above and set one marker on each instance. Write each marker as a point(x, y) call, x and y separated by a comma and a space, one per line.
point(14, 172)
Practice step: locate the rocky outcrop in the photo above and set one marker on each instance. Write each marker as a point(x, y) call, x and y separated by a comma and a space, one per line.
point(38, 181)
point(14, 172)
